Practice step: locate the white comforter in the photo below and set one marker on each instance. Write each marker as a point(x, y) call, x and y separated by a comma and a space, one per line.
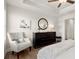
point(69, 54)
point(63, 50)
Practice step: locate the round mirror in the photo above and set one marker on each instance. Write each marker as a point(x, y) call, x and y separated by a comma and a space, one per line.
point(42, 24)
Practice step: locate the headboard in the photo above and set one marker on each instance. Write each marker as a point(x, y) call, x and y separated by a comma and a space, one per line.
point(41, 39)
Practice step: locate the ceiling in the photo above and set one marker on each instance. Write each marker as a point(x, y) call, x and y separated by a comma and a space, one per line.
point(37, 4)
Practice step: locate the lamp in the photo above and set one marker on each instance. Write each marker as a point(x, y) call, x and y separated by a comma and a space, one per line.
point(51, 27)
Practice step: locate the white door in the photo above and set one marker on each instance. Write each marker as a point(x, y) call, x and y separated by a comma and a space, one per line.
point(69, 29)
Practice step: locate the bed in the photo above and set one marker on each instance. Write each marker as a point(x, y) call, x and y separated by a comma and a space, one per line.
point(62, 50)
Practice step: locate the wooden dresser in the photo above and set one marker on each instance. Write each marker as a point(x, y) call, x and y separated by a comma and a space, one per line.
point(41, 39)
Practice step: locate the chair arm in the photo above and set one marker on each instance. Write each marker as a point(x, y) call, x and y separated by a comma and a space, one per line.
point(9, 37)
point(13, 45)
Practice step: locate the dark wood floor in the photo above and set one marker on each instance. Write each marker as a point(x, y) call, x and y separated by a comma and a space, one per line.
point(25, 54)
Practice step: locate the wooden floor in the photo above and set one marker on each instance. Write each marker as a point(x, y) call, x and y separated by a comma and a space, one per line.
point(26, 54)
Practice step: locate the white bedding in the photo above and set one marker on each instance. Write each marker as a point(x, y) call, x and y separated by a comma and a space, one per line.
point(63, 50)
point(69, 54)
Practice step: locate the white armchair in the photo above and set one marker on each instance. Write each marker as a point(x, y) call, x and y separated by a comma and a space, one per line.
point(18, 46)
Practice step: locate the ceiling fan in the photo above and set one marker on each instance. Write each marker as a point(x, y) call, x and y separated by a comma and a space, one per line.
point(62, 1)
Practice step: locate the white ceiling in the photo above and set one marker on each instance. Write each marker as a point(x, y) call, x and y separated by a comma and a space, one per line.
point(37, 4)
point(33, 3)
point(41, 5)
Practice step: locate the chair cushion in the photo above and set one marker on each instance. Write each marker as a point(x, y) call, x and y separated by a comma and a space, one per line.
point(17, 37)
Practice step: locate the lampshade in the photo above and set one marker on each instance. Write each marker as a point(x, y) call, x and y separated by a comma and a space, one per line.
point(51, 25)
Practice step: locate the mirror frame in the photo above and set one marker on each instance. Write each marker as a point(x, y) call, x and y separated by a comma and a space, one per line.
point(39, 23)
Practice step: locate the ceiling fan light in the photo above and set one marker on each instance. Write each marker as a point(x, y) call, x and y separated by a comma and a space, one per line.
point(62, 1)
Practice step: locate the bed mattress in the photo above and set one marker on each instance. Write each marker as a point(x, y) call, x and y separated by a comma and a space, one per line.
point(69, 54)
point(63, 50)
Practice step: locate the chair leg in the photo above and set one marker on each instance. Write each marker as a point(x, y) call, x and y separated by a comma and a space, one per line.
point(12, 52)
point(17, 55)
point(30, 48)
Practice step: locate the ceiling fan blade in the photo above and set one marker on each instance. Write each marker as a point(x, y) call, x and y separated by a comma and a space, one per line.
point(52, 0)
point(69, 1)
point(59, 5)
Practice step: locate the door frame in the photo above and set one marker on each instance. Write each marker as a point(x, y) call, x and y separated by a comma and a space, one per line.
point(65, 27)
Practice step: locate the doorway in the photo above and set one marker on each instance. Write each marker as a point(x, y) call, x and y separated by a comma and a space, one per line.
point(69, 29)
